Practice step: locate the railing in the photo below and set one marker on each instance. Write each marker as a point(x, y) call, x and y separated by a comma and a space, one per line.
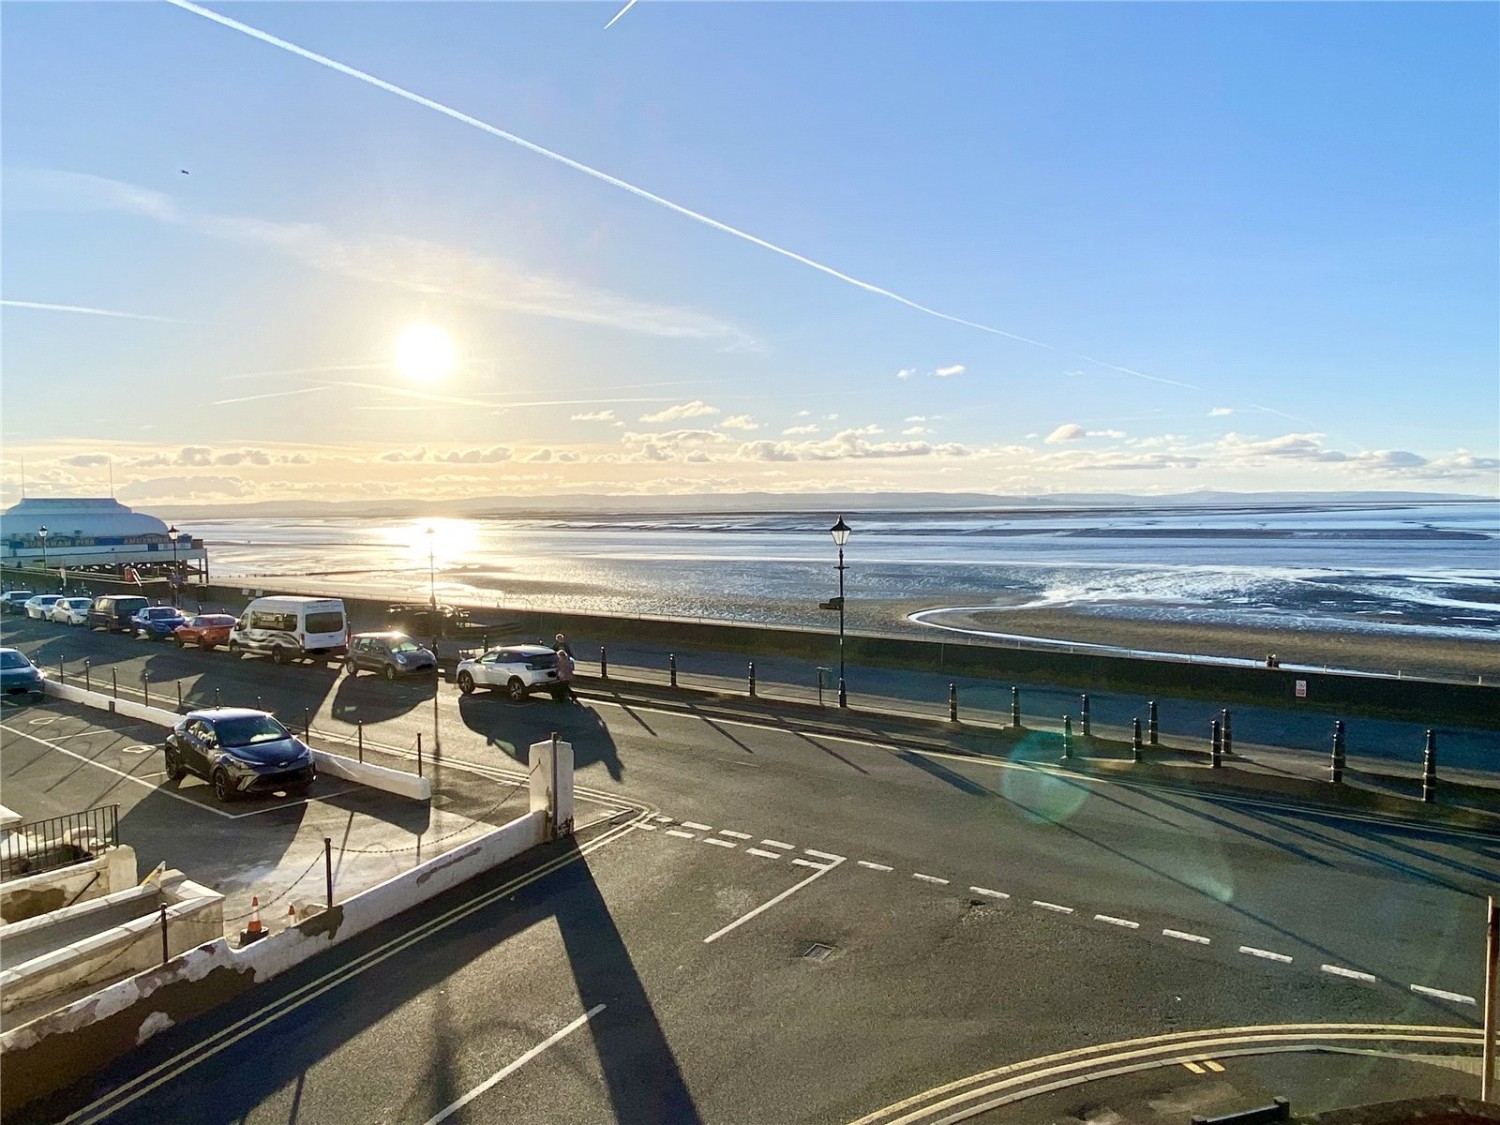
point(59, 841)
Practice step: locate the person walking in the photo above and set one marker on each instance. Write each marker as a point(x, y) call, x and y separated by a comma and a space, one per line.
point(565, 677)
point(561, 644)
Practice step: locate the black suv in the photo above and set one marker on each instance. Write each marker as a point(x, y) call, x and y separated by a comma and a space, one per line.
point(425, 622)
point(113, 612)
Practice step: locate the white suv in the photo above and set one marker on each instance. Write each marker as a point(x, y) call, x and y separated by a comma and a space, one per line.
point(519, 669)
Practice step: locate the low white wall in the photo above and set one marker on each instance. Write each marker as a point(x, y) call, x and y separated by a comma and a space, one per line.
point(104, 702)
point(32, 895)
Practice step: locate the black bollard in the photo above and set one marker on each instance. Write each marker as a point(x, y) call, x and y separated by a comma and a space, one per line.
point(953, 703)
point(752, 679)
point(146, 687)
point(62, 677)
point(1151, 728)
point(216, 698)
point(306, 725)
point(114, 683)
point(86, 675)
point(1216, 746)
point(1429, 769)
point(1336, 772)
point(1228, 731)
point(1015, 707)
point(359, 734)
point(672, 668)
point(328, 869)
point(179, 697)
point(419, 753)
point(1088, 726)
point(1135, 739)
point(820, 687)
point(603, 663)
point(1067, 738)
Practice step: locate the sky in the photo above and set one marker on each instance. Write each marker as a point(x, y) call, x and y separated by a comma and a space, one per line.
point(418, 251)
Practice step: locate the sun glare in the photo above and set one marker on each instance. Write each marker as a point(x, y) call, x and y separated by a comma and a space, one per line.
point(424, 353)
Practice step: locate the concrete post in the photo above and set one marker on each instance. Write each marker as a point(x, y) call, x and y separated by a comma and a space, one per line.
point(603, 663)
point(1336, 771)
point(1216, 747)
point(552, 785)
point(1429, 769)
point(1151, 728)
point(672, 668)
point(1067, 737)
point(1015, 707)
point(1088, 726)
point(953, 703)
point(1228, 731)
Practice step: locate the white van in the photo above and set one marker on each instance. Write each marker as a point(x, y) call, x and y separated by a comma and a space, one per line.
point(293, 627)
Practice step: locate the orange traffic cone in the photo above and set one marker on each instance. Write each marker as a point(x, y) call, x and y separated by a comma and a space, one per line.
point(291, 915)
point(254, 931)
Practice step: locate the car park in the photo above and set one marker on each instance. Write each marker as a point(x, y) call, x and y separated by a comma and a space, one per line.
point(240, 752)
point(290, 628)
point(114, 612)
point(70, 611)
point(38, 605)
point(518, 669)
point(389, 654)
point(14, 601)
point(19, 676)
point(157, 622)
point(207, 630)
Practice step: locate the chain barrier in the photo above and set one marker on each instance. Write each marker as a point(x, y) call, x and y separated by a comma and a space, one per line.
point(274, 899)
point(429, 841)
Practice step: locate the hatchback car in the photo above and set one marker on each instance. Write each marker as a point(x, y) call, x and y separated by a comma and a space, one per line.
point(240, 752)
point(70, 611)
point(157, 621)
point(207, 630)
point(19, 676)
point(390, 654)
point(14, 601)
point(519, 669)
point(38, 605)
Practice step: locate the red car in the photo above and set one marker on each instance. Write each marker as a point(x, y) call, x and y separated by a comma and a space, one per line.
point(205, 631)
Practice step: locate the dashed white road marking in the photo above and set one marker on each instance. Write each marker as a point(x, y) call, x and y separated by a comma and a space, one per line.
point(1456, 997)
point(1266, 954)
point(929, 878)
point(719, 843)
point(646, 827)
point(1182, 935)
point(1124, 923)
point(987, 891)
point(696, 827)
point(823, 855)
point(662, 819)
point(809, 863)
point(875, 866)
point(778, 844)
point(1352, 974)
point(680, 834)
point(763, 853)
point(733, 834)
point(1051, 906)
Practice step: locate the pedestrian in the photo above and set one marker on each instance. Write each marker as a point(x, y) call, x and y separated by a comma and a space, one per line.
point(560, 643)
point(564, 677)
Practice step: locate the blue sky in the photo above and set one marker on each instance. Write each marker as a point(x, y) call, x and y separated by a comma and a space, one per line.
point(1253, 246)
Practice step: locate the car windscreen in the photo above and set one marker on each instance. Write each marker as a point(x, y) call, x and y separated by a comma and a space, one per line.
point(13, 660)
point(79, 603)
point(161, 613)
point(405, 644)
point(329, 621)
point(248, 730)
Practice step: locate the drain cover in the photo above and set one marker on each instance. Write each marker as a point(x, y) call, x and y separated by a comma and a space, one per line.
point(817, 951)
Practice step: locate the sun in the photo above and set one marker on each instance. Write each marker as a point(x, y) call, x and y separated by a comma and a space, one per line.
point(424, 353)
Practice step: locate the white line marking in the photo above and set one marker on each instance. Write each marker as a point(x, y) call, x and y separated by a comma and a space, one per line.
point(809, 863)
point(680, 834)
point(1266, 954)
point(555, 1037)
point(660, 819)
point(719, 843)
point(1051, 906)
point(733, 834)
point(793, 889)
point(987, 891)
point(876, 866)
point(929, 878)
point(1350, 973)
point(763, 853)
point(696, 827)
point(1182, 936)
point(778, 844)
point(1456, 997)
point(646, 827)
point(1126, 923)
point(822, 855)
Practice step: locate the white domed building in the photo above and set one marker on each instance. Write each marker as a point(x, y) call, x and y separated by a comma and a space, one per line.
point(99, 535)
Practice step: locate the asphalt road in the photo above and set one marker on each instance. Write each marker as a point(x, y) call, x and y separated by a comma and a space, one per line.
point(973, 912)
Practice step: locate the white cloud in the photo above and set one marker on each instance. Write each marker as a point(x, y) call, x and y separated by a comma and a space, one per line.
point(906, 373)
point(947, 372)
point(794, 431)
point(916, 418)
point(594, 416)
point(915, 431)
point(1220, 412)
point(184, 488)
point(196, 456)
point(844, 445)
point(802, 414)
point(86, 460)
point(1068, 431)
point(491, 456)
point(540, 455)
point(695, 409)
point(739, 422)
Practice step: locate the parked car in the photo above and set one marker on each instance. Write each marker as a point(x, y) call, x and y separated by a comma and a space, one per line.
point(38, 605)
point(240, 752)
point(157, 622)
point(18, 675)
point(206, 630)
point(14, 601)
point(426, 622)
point(292, 627)
point(519, 669)
point(70, 611)
point(390, 654)
point(114, 612)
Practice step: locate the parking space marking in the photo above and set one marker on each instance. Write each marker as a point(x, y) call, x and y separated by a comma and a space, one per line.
point(120, 773)
point(1217, 1068)
point(735, 835)
point(1051, 906)
point(719, 843)
point(1181, 935)
point(286, 804)
point(778, 844)
point(823, 855)
point(680, 834)
point(793, 889)
point(930, 879)
point(1352, 974)
point(1194, 1067)
point(876, 866)
point(696, 827)
point(990, 893)
point(800, 862)
point(1265, 954)
point(1456, 997)
point(763, 853)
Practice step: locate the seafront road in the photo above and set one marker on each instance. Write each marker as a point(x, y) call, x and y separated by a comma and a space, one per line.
point(807, 929)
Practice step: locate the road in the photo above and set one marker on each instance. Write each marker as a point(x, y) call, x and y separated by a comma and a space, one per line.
point(960, 914)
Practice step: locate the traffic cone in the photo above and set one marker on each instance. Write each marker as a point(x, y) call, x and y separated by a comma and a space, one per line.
point(254, 931)
point(291, 915)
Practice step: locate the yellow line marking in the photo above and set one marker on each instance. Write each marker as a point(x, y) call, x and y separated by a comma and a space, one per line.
point(1217, 1068)
point(1194, 1067)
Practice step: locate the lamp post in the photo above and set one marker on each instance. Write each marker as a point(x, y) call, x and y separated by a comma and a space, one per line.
point(42, 535)
point(176, 576)
point(432, 568)
point(840, 533)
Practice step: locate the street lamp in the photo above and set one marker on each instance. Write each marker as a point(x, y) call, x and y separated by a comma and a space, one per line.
point(432, 567)
point(176, 576)
point(42, 535)
point(840, 533)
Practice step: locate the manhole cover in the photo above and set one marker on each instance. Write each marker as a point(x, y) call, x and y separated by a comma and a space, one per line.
point(817, 951)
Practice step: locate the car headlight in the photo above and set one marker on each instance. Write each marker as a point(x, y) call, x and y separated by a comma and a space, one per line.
point(401, 658)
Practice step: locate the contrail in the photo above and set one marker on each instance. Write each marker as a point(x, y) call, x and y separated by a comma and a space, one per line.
point(618, 14)
point(273, 394)
point(615, 181)
point(46, 307)
point(307, 370)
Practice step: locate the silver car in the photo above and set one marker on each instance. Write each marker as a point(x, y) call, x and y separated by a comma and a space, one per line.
point(519, 669)
point(70, 611)
point(39, 605)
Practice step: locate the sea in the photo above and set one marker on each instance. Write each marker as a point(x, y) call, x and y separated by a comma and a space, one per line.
point(1422, 568)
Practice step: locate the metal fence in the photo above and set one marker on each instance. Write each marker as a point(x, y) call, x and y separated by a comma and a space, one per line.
point(60, 841)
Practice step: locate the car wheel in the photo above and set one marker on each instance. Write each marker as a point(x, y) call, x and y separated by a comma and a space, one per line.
point(350, 667)
point(176, 771)
point(206, 645)
point(516, 688)
point(177, 641)
point(466, 683)
point(390, 672)
point(278, 655)
point(222, 789)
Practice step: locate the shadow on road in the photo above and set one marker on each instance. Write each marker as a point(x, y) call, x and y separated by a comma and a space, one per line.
point(515, 726)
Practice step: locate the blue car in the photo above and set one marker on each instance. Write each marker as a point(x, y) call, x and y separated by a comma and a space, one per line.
point(18, 675)
point(157, 622)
